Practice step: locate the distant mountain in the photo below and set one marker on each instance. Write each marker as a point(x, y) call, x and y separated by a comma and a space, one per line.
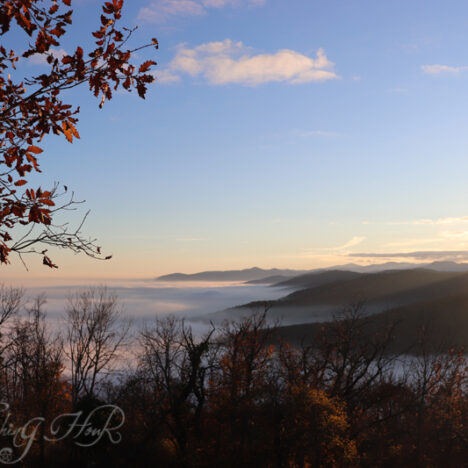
point(317, 278)
point(271, 280)
point(260, 276)
point(448, 266)
point(231, 275)
point(380, 291)
point(377, 267)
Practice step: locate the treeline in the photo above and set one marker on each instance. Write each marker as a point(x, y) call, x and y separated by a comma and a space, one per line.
point(234, 397)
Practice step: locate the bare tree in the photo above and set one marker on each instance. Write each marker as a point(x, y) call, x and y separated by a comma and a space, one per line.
point(11, 300)
point(95, 333)
point(175, 365)
point(33, 369)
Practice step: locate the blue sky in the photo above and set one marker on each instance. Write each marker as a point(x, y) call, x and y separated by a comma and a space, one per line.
point(280, 134)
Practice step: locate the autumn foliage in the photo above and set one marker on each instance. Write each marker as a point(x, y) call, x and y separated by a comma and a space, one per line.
point(33, 107)
point(235, 396)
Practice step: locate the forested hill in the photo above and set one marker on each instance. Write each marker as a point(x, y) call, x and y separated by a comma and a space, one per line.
point(379, 291)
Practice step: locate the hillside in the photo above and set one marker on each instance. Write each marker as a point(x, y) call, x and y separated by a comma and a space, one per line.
point(275, 280)
point(380, 291)
point(315, 279)
point(444, 321)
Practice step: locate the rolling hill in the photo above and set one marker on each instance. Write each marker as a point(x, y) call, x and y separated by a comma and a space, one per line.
point(271, 280)
point(380, 292)
point(315, 279)
point(435, 326)
point(260, 276)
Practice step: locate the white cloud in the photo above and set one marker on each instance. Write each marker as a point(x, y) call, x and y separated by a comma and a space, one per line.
point(41, 59)
point(165, 76)
point(227, 62)
point(159, 11)
point(438, 69)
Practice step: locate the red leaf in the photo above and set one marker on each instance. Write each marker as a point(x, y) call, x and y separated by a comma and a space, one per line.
point(47, 261)
point(47, 201)
point(146, 65)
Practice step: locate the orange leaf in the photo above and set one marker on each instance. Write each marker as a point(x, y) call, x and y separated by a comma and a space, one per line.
point(74, 130)
point(35, 149)
point(67, 132)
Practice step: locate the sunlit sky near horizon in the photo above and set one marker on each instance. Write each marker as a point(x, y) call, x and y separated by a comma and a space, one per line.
point(290, 134)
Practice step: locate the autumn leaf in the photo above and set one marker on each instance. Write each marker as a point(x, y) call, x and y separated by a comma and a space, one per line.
point(35, 149)
point(48, 262)
point(33, 107)
point(53, 9)
point(67, 132)
point(146, 65)
point(47, 201)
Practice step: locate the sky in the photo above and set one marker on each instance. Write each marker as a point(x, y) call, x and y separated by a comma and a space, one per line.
point(294, 134)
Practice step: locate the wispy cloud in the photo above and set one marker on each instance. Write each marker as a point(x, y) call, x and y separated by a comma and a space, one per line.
point(438, 69)
point(415, 242)
point(419, 43)
point(160, 11)
point(423, 221)
point(167, 77)
point(442, 221)
point(351, 243)
point(457, 235)
point(453, 255)
point(229, 62)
